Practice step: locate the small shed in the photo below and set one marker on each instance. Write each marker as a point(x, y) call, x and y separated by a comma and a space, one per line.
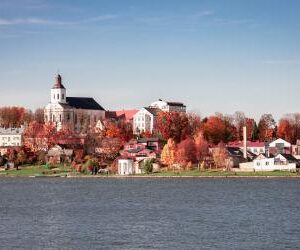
point(125, 166)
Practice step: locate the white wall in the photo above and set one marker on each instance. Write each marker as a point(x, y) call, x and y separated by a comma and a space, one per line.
point(125, 167)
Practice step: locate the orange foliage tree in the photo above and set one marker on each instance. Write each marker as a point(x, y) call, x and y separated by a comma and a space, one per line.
point(286, 131)
point(14, 116)
point(168, 153)
point(201, 146)
point(217, 129)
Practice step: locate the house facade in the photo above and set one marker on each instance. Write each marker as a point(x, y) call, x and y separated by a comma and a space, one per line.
point(11, 137)
point(281, 162)
point(144, 120)
point(279, 146)
point(76, 112)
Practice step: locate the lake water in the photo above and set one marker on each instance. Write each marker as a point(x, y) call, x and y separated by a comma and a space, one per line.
point(149, 213)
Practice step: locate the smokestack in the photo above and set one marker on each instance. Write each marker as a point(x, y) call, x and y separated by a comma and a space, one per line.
point(245, 141)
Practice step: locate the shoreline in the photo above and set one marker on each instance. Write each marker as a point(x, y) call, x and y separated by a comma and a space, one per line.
point(150, 177)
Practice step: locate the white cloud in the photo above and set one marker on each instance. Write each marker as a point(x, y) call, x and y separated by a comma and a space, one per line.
point(205, 13)
point(41, 21)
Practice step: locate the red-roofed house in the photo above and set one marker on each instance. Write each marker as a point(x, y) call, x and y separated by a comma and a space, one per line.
point(253, 147)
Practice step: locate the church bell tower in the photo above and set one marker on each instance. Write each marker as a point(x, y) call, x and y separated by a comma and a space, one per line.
point(58, 91)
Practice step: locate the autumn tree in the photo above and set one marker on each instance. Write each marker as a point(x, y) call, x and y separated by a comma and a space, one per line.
point(168, 153)
point(217, 129)
point(251, 129)
point(266, 127)
point(186, 152)
point(239, 121)
point(201, 146)
point(175, 125)
point(38, 115)
point(220, 155)
point(39, 136)
point(14, 116)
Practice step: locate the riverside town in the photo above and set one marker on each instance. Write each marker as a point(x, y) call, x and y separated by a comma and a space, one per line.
point(77, 136)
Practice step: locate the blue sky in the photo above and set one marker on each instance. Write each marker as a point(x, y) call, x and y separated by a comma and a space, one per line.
point(214, 55)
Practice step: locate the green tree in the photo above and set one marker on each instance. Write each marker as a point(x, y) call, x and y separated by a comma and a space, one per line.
point(148, 166)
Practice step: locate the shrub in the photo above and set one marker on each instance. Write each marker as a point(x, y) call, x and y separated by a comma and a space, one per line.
point(148, 166)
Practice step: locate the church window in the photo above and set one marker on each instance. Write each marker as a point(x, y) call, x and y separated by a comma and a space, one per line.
point(57, 96)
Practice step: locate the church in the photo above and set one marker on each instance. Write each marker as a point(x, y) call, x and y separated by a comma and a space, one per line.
point(79, 113)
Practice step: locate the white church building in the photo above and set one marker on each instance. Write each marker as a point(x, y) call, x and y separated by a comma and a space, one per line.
point(80, 113)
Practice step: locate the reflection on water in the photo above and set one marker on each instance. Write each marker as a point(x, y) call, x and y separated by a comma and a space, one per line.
point(149, 213)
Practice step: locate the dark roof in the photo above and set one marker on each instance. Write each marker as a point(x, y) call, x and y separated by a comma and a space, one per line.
point(176, 104)
point(110, 115)
point(58, 84)
point(289, 158)
point(84, 103)
point(233, 151)
point(153, 111)
point(145, 140)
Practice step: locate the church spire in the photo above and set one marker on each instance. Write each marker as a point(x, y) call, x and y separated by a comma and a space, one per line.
point(58, 84)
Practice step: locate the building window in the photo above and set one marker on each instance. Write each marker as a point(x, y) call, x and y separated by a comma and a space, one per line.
point(267, 163)
point(57, 96)
point(258, 163)
point(63, 96)
point(60, 118)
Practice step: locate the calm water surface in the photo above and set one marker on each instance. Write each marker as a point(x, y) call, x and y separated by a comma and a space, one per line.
point(149, 213)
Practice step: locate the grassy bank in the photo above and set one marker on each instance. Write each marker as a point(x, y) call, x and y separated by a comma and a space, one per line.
point(62, 170)
point(37, 170)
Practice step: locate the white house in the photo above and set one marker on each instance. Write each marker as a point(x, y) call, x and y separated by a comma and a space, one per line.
point(78, 112)
point(283, 162)
point(144, 120)
point(168, 106)
point(280, 143)
point(11, 137)
point(279, 146)
point(125, 166)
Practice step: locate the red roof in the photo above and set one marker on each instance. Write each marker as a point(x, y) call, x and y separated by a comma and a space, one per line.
point(251, 144)
point(128, 114)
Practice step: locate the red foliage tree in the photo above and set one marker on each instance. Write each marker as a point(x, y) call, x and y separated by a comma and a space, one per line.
point(186, 152)
point(217, 129)
point(286, 130)
point(173, 125)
